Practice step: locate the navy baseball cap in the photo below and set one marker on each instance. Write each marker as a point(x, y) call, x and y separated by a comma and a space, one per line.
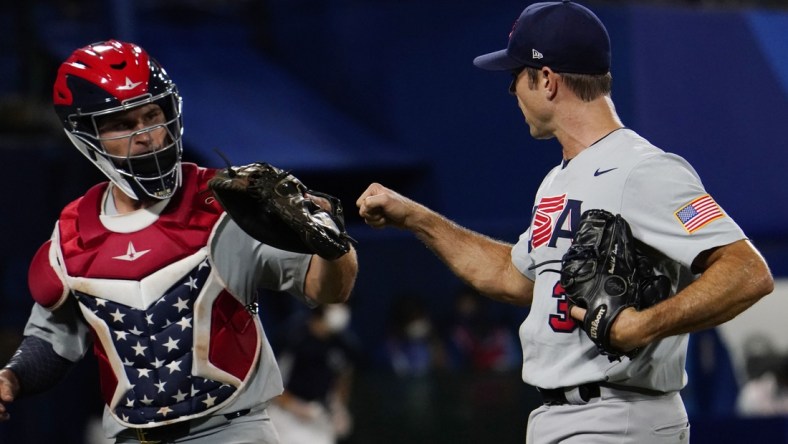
point(563, 35)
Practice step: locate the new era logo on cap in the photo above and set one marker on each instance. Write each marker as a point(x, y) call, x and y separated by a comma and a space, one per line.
point(536, 54)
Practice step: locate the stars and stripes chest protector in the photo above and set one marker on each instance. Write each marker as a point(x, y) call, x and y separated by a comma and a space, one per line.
point(171, 342)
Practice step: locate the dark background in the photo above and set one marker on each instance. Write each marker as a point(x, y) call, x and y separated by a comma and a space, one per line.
point(344, 92)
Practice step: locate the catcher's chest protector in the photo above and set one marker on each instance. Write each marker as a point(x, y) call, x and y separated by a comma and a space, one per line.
point(171, 343)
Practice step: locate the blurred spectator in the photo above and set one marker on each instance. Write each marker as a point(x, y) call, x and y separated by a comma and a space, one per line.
point(766, 395)
point(766, 391)
point(477, 339)
point(413, 346)
point(317, 358)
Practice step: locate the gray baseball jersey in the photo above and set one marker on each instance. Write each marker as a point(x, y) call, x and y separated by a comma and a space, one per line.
point(668, 209)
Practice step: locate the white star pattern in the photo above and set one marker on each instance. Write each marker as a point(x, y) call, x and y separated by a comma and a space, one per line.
point(182, 304)
point(179, 397)
point(174, 366)
point(117, 316)
point(139, 349)
point(191, 283)
point(185, 323)
point(209, 401)
point(147, 341)
point(172, 344)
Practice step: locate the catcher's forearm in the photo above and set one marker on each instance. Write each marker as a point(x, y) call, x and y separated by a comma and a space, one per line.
point(37, 366)
point(482, 262)
point(736, 278)
point(331, 281)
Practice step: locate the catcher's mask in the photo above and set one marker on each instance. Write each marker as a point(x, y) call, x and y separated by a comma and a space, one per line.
point(110, 77)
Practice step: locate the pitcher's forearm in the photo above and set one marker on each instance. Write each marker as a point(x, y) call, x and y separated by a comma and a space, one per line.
point(479, 260)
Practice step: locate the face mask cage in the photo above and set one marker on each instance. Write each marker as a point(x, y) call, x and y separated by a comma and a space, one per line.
point(154, 174)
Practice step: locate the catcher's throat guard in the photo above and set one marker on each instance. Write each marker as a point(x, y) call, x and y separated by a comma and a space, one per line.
point(274, 207)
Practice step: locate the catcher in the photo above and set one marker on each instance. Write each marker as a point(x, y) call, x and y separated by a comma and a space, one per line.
point(605, 339)
point(149, 271)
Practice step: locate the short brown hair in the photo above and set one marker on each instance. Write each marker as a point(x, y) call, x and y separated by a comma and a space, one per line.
point(587, 86)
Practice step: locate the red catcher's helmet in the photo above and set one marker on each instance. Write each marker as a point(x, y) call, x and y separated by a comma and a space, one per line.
point(109, 77)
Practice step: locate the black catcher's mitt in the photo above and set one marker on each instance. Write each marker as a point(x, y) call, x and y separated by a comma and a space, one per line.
point(604, 272)
point(274, 207)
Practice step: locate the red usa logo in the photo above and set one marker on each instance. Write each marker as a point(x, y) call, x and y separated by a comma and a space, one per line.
point(544, 219)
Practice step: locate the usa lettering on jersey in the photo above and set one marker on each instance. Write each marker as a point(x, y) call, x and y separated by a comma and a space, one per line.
point(549, 221)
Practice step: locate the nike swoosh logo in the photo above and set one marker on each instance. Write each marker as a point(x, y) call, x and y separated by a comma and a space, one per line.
point(599, 172)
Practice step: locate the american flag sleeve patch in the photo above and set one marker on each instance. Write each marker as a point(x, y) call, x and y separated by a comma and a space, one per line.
point(699, 213)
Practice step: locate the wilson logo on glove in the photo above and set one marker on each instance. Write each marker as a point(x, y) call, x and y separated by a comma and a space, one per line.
point(593, 331)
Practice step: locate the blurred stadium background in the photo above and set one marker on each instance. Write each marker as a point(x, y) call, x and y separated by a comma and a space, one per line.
point(344, 92)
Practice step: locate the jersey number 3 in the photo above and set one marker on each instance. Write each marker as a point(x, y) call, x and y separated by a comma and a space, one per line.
point(560, 321)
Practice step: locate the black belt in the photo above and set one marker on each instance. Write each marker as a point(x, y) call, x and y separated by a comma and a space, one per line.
point(557, 396)
point(590, 391)
point(165, 433)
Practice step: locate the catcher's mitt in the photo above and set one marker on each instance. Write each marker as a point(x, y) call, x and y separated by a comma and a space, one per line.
point(274, 207)
point(604, 272)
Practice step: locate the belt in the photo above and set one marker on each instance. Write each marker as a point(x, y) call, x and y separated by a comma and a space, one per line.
point(166, 433)
point(582, 394)
point(557, 396)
